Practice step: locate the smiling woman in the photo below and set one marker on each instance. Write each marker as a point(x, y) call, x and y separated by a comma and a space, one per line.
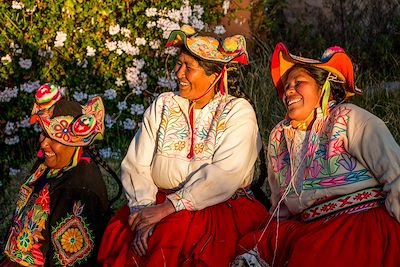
point(188, 170)
point(333, 170)
point(59, 218)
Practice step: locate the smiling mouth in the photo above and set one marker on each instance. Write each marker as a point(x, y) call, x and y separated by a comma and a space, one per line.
point(183, 84)
point(292, 101)
point(48, 154)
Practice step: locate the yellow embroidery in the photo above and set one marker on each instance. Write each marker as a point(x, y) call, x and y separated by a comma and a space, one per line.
point(198, 148)
point(72, 240)
point(180, 145)
point(25, 241)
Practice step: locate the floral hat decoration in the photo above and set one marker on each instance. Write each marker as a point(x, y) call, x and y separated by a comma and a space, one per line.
point(334, 60)
point(229, 50)
point(78, 128)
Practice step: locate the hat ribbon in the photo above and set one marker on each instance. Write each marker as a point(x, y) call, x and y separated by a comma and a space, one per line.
point(191, 116)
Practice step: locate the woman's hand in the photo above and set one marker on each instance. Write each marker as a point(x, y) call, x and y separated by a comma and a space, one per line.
point(139, 244)
point(144, 221)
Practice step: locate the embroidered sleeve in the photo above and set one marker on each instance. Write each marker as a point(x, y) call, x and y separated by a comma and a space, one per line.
point(233, 162)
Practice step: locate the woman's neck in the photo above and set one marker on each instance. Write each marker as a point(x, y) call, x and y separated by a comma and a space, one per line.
point(306, 124)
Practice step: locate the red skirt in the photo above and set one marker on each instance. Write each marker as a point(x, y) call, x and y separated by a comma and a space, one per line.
point(207, 237)
point(369, 238)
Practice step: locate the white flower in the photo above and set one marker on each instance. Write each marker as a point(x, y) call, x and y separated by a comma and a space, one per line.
point(6, 59)
point(60, 39)
point(151, 12)
point(140, 41)
point(109, 121)
point(29, 87)
point(219, 29)
point(8, 94)
point(173, 51)
point(25, 63)
point(151, 24)
point(11, 140)
point(197, 23)
point(17, 5)
point(30, 11)
point(79, 96)
point(122, 105)
point(46, 52)
point(186, 13)
point(13, 172)
point(155, 44)
point(167, 83)
point(10, 128)
point(129, 124)
point(128, 48)
point(225, 6)
point(105, 153)
point(111, 46)
point(91, 52)
point(125, 32)
point(199, 10)
point(167, 25)
point(82, 63)
point(114, 29)
point(119, 82)
point(174, 14)
point(110, 94)
point(25, 122)
point(137, 109)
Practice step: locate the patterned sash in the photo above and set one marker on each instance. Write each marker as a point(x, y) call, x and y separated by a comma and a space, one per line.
point(358, 201)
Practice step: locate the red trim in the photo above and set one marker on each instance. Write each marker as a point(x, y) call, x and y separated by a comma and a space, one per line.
point(191, 151)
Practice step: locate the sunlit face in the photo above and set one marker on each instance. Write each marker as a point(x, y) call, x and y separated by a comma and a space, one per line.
point(301, 94)
point(192, 79)
point(56, 155)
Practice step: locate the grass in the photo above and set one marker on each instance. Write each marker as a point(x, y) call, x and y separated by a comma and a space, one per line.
point(258, 85)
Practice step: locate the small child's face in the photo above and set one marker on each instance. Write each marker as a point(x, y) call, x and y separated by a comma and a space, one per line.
point(301, 94)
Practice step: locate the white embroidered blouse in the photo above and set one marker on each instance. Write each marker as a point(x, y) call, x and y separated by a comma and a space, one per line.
point(225, 143)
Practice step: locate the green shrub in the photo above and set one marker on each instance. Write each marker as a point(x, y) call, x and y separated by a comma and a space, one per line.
point(110, 48)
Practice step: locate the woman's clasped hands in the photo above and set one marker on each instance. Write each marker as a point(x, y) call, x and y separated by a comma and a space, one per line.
point(143, 223)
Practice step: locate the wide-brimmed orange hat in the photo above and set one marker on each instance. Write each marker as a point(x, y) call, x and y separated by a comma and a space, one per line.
point(225, 51)
point(334, 60)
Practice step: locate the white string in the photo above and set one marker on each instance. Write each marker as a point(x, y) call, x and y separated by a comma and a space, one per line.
point(277, 209)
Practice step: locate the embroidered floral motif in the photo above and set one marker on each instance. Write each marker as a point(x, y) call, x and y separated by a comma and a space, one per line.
point(209, 127)
point(198, 148)
point(351, 203)
point(180, 145)
point(327, 162)
point(61, 130)
point(23, 244)
point(25, 241)
point(72, 239)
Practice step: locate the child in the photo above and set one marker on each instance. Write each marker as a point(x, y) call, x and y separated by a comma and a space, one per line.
point(334, 173)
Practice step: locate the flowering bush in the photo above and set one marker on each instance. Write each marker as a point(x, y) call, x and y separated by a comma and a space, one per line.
point(110, 48)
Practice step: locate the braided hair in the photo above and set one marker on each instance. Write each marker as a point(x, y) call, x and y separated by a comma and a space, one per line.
point(94, 154)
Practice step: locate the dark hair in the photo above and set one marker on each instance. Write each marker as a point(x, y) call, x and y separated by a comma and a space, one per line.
point(211, 67)
point(338, 90)
point(65, 107)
